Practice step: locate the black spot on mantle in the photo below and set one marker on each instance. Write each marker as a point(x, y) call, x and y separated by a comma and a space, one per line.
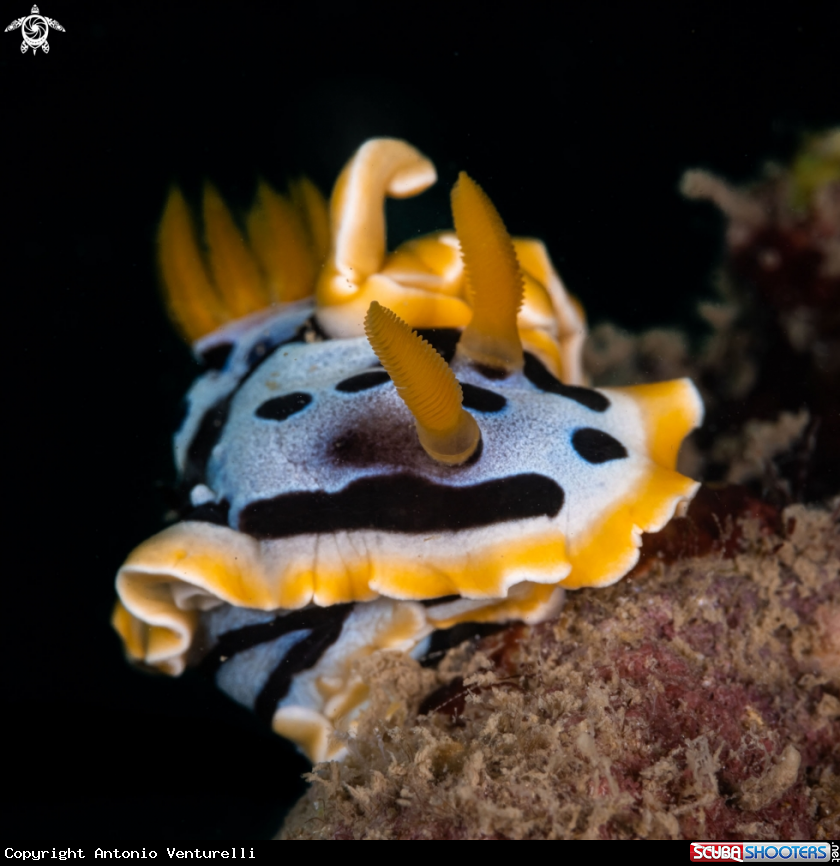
point(403, 503)
point(216, 356)
point(281, 408)
point(482, 399)
point(363, 381)
point(595, 446)
point(537, 374)
point(214, 419)
point(494, 373)
point(210, 428)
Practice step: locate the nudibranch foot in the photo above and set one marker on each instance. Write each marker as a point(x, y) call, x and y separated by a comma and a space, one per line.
point(381, 450)
point(297, 669)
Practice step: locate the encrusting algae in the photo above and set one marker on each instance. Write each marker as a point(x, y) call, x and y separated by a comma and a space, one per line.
point(697, 699)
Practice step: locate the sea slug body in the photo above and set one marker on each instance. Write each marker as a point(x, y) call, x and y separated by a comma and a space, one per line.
point(383, 445)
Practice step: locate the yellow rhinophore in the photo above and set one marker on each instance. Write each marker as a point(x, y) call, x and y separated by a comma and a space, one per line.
point(493, 277)
point(354, 274)
point(427, 385)
point(295, 247)
point(423, 281)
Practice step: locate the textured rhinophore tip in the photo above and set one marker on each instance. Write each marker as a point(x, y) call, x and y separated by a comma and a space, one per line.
point(427, 385)
point(494, 276)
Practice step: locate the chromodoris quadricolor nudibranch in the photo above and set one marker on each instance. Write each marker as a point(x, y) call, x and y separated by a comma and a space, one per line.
point(383, 446)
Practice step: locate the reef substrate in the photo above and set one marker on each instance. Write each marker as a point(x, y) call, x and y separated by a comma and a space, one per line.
point(697, 698)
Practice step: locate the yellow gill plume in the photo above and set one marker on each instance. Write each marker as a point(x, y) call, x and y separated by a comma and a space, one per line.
point(427, 385)
point(191, 299)
point(494, 276)
point(228, 276)
point(288, 238)
point(233, 266)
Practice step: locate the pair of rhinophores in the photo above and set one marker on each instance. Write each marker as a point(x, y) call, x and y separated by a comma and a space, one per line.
point(384, 446)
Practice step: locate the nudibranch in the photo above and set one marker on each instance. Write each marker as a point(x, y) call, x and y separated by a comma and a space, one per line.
point(384, 445)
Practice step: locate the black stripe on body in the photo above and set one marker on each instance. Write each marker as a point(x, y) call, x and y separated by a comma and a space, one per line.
point(325, 625)
point(301, 657)
point(208, 434)
point(403, 503)
point(443, 599)
point(539, 376)
point(238, 640)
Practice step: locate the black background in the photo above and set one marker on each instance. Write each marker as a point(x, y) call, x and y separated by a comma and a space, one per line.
point(577, 124)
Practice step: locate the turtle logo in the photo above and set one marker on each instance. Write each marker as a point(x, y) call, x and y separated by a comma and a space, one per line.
point(34, 28)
